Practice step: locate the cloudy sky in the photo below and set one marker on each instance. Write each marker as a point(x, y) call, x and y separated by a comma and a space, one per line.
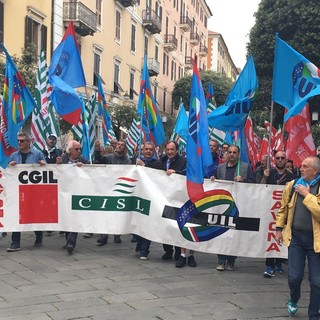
point(233, 19)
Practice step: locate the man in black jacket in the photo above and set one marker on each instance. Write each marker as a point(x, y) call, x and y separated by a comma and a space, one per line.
point(149, 159)
point(173, 163)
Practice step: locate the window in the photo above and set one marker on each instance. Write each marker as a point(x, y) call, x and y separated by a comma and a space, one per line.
point(164, 99)
point(133, 38)
point(118, 25)
point(96, 65)
point(1, 22)
point(146, 44)
point(116, 77)
point(155, 91)
point(99, 11)
point(132, 91)
point(181, 43)
point(156, 52)
point(165, 69)
point(173, 70)
point(36, 33)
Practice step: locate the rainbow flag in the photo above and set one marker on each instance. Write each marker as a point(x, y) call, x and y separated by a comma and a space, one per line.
point(147, 109)
point(18, 102)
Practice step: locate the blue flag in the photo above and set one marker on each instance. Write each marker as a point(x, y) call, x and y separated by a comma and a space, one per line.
point(295, 79)
point(65, 73)
point(103, 112)
point(18, 102)
point(181, 126)
point(198, 151)
point(233, 114)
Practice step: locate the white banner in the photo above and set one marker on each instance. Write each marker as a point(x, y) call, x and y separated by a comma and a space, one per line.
point(234, 219)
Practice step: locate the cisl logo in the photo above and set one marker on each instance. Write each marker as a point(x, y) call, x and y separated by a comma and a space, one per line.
point(114, 203)
point(38, 197)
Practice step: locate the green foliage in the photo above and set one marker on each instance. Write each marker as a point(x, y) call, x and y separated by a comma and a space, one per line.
point(298, 23)
point(316, 134)
point(121, 116)
point(221, 84)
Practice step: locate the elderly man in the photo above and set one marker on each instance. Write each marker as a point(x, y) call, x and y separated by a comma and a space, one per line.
point(25, 155)
point(72, 156)
point(298, 227)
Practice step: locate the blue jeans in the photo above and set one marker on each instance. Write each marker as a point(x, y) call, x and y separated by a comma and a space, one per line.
point(143, 246)
point(301, 246)
point(222, 258)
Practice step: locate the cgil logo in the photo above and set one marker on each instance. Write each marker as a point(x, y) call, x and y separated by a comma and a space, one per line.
point(38, 197)
point(36, 177)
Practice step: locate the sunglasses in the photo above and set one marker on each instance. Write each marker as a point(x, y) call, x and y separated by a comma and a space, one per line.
point(21, 141)
point(77, 149)
point(280, 158)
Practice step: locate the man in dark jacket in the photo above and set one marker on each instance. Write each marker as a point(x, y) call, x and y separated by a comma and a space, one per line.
point(173, 163)
point(149, 159)
point(72, 156)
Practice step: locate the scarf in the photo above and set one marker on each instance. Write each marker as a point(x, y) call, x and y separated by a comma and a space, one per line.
point(305, 183)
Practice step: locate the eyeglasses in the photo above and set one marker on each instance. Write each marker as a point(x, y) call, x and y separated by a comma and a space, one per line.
point(77, 149)
point(280, 158)
point(233, 152)
point(21, 141)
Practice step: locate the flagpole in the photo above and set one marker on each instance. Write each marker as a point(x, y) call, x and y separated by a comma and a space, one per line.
point(269, 138)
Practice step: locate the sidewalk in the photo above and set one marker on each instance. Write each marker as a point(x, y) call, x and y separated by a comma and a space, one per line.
point(111, 283)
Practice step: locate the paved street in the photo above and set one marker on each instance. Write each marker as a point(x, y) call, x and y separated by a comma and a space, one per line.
point(110, 282)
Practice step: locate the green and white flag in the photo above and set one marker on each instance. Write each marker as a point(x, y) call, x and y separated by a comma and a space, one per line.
point(91, 109)
point(44, 121)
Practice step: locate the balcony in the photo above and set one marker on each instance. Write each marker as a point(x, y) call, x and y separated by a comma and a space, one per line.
point(153, 67)
point(84, 20)
point(127, 3)
point(185, 23)
point(170, 42)
point(151, 21)
point(203, 50)
point(194, 39)
point(188, 63)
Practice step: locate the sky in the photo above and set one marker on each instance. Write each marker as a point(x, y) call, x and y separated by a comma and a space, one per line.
point(233, 19)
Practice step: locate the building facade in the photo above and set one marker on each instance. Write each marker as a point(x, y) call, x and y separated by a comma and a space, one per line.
point(219, 58)
point(114, 36)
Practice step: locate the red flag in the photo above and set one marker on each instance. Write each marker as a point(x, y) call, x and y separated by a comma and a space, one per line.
point(277, 142)
point(253, 142)
point(264, 147)
point(300, 143)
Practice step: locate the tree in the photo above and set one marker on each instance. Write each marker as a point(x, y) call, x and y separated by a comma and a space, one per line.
point(182, 88)
point(298, 23)
point(121, 116)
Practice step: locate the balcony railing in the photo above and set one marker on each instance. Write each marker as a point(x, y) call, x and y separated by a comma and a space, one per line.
point(203, 50)
point(194, 39)
point(151, 21)
point(170, 42)
point(188, 62)
point(153, 67)
point(185, 23)
point(127, 3)
point(84, 20)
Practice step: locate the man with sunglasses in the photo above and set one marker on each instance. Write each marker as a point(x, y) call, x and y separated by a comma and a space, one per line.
point(277, 175)
point(25, 155)
point(72, 156)
point(51, 152)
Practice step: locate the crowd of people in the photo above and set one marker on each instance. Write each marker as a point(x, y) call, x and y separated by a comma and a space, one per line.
point(297, 222)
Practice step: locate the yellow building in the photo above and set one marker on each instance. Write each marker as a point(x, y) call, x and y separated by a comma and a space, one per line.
point(113, 36)
point(219, 58)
